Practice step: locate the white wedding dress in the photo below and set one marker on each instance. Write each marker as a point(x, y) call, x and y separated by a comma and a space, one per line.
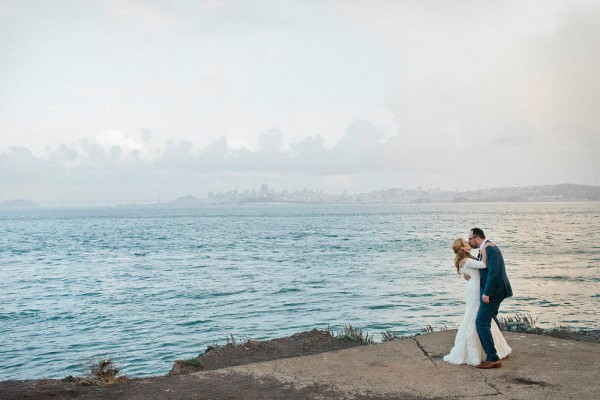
point(467, 347)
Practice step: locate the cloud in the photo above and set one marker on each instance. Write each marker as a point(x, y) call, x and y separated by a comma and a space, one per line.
point(122, 146)
point(152, 15)
point(470, 68)
point(19, 163)
point(6, 10)
point(471, 94)
point(112, 157)
point(509, 83)
point(560, 86)
point(517, 134)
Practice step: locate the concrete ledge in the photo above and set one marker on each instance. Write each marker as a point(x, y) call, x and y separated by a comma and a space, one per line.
point(540, 367)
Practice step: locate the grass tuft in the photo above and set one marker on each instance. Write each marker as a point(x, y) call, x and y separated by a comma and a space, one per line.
point(329, 330)
point(104, 369)
point(231, 342)
point(431, 329)
point(525, 323)
point(518, 323)
point(194, 362)
point(102, 372)
point(354, 335)
point(389, 335)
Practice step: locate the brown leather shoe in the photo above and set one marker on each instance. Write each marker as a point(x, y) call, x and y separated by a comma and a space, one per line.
point(489, 365)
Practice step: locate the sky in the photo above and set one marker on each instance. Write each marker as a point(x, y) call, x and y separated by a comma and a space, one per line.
point(148, 100)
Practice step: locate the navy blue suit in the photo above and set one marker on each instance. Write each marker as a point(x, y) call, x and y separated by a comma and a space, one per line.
point(494, 283)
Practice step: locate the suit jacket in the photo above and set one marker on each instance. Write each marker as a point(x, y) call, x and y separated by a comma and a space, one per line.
point(494, 281)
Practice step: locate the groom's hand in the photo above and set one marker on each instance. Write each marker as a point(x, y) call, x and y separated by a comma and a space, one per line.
point(485, 298)
point(467, 277)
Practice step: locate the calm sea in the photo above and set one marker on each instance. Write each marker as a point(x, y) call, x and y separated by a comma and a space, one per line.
point(148, 286)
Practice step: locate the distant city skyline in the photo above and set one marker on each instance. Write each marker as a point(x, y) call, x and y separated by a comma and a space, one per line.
point(266, 194)
point(134, 100)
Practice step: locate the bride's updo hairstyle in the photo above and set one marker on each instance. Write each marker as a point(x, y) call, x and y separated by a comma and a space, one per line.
point(461, 253)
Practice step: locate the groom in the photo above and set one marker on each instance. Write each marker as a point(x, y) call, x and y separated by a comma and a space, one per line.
point(495, 287)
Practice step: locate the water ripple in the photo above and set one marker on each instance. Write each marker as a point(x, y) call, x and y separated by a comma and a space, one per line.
point(147, 285)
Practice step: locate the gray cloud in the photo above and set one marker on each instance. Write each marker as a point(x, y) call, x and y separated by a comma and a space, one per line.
point(471, 94)
point(560, 83)
point(108, 168)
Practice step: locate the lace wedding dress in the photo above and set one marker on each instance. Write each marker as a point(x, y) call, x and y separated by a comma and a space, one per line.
point(467, 347)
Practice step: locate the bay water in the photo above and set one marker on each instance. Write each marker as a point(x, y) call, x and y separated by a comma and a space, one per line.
point(149, 285)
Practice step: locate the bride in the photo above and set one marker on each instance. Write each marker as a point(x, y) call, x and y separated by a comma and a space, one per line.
point(467, 347)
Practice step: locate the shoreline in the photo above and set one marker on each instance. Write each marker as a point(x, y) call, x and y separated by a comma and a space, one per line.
point(249, 355)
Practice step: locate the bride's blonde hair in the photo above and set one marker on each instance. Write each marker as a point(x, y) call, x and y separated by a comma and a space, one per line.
point(461, 253)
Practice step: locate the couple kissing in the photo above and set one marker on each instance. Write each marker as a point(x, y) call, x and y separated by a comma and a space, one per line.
point(478, 340)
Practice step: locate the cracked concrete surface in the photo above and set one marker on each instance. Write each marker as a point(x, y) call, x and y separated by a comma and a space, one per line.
point(539, 368)
point(416, 339)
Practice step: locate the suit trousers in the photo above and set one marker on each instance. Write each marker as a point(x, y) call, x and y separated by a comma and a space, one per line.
point(483, 323)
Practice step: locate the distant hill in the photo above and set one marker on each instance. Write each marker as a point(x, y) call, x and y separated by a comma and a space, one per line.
point(578, 191)
point(19, 203)
point(561, 192)
point(186, 201)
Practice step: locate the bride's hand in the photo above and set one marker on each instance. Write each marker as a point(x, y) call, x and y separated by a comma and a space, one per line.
point(488, 244)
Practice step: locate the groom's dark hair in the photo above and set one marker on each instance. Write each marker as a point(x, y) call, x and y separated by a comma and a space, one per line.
point(478, 232)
